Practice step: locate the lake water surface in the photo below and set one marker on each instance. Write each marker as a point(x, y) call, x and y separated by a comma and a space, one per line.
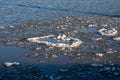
point(21, 11)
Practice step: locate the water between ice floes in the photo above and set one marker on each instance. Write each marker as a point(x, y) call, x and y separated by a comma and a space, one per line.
point(22, 11)
point(16, 54)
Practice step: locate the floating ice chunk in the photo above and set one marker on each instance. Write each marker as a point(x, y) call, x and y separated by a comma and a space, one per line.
point(12, 27)
point(1, 27)
point(99, 54)
point(57, 40)
point(32, 55)
point(10, 64)
point(110, 51)
point(92, 25)
point(108, 32)
point(97, 39)
point(117, 38)
point(61, 37)
point(96, 65)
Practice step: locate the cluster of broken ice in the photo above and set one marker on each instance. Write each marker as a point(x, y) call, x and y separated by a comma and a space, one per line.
point(61, 37)
point(108, 32)
point(57, 40)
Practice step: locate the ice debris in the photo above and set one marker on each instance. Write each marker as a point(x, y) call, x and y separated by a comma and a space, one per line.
point(57, 40)
point(12, 27)
point(1, 27)
point(110, 51)
point(108, 32)
point(116, 38)
point(97, 39)
point(99, 54)
point(96, 65)
point(10, 64)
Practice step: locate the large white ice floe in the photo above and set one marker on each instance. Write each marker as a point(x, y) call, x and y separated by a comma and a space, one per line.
point(10, 64)
point(57, 40)
point(108, 32)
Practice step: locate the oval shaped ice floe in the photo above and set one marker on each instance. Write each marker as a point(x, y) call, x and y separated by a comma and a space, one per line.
point(108, 32)
point(57, 40)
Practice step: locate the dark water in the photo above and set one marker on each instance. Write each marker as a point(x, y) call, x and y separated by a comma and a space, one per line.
point(12, 53)
point(22, 11)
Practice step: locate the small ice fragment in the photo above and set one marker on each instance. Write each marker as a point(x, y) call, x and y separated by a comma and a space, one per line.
point(51, 78)
point(63, 70)
point(110, 51)
point(12, 27)
point(1, 27)
point(116, 38)
point(99, 54)
point(61, 37)
point(10, 64)
point(92, 25)
point(54, 56)
point(97, 39)
point(65, 54)
point(78, 54)
point(108, 32)
point(38, 48)
point(104, 25)
point(96, 65)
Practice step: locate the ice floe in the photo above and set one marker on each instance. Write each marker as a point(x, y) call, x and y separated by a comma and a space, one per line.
point(10, 64)
point(99, 54)
point(116, 38)
point(108, 32)
point(110, 51)
point(1, 27)
point(12, 27)
point(57, 40)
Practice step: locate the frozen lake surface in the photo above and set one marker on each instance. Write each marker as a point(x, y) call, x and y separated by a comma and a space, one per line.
point(21, 11)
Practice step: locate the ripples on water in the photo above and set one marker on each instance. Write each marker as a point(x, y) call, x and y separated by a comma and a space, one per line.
point(22, 11)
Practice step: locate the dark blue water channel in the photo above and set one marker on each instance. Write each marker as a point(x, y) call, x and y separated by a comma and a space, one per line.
point(22, 11)
point(16, 54)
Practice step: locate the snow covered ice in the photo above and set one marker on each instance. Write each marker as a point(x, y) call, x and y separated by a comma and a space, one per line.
point(108, 32)
point(57, 40)
point(10, 64)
